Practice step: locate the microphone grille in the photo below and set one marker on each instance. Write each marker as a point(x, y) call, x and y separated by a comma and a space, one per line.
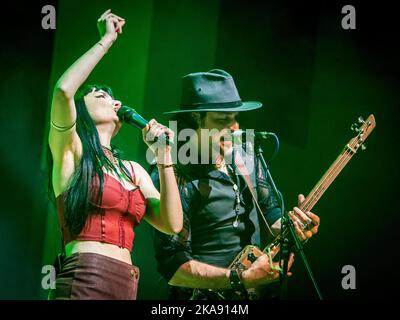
point(124, 111)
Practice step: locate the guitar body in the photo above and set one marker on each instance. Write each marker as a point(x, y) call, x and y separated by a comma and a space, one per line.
point(243, 261)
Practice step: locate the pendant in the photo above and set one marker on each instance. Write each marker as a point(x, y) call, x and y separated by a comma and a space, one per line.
point(236, 222)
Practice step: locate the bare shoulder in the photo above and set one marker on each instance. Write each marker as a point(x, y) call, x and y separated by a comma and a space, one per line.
point(139, 171)
point(132, 164)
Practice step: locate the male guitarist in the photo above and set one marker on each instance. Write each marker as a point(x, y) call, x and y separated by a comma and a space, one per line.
point(221, 214)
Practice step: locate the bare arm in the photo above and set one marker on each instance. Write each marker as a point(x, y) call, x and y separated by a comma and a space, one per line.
point(63, 112)
point(62, 136)
point(164, 209)
point(195, 274)
point(64, 142)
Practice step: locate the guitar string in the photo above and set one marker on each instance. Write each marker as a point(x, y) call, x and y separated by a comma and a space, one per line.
point(329, 178)
point(342, 160)
point(338, 166)
point(346, 156)
point(284, 234)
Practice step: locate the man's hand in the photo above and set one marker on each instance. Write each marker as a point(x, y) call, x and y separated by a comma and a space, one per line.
point(306, 223)
point(264, 270)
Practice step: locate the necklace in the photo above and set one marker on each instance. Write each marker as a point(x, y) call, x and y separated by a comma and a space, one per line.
point(109, 154)
point(237, 195)
point(220, 163)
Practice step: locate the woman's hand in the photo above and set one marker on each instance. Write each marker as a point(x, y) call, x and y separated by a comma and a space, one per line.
point(160, 148)
point(110, 25)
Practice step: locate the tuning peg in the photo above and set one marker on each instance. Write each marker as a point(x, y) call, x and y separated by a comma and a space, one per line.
point(361, 120)
point(354, 127)
point(363, 147)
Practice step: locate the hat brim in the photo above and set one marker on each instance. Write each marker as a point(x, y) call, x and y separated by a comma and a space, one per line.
point(246, 106)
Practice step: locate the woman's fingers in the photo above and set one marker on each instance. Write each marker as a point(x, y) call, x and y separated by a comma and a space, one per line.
point(112, 15)
point(156, 129)
point(105, 13)
point(111, 20)
point(120, 25)
point(118, 17)
point(153, 131)
point(157, 132)
point(109, 15)
point(169, 133)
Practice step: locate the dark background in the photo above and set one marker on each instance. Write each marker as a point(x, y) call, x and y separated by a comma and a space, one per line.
point(313, 77)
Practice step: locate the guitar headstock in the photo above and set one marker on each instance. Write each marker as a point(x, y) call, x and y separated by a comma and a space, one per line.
point(363, 128)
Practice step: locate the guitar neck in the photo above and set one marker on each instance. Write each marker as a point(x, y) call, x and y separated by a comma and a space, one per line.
point(327, 179)
point(337, 166)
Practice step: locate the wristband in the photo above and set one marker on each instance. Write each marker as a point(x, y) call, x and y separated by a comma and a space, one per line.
point(235, 281)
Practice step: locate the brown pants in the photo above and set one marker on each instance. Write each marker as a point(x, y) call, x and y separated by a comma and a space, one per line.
point(94, 276)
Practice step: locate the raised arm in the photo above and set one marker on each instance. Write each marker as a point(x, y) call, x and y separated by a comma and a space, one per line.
point(62, 134)
point(64, 142)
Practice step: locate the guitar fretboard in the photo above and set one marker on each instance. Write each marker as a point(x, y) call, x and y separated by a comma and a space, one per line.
point(327, 179)
point(349, 150)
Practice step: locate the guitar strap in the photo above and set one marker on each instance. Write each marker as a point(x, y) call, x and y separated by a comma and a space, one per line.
point(240, 165)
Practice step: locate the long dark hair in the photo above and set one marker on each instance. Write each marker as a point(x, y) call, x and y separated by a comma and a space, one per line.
point(80, 192)
point(185, 120)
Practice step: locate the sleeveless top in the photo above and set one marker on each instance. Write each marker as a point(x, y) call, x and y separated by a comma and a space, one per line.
point(121, 210)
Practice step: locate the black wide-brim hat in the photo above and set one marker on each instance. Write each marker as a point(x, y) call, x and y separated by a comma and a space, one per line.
point(214, 91)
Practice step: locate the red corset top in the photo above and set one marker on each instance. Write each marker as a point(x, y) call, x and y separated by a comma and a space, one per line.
point(120, 211)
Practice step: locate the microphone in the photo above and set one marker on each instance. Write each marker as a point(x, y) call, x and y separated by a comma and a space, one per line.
point(257, 134)
point(130, 116)
point(241, 137)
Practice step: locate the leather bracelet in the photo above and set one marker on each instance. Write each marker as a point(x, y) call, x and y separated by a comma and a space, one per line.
point(164, 166)
point(235, 281)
